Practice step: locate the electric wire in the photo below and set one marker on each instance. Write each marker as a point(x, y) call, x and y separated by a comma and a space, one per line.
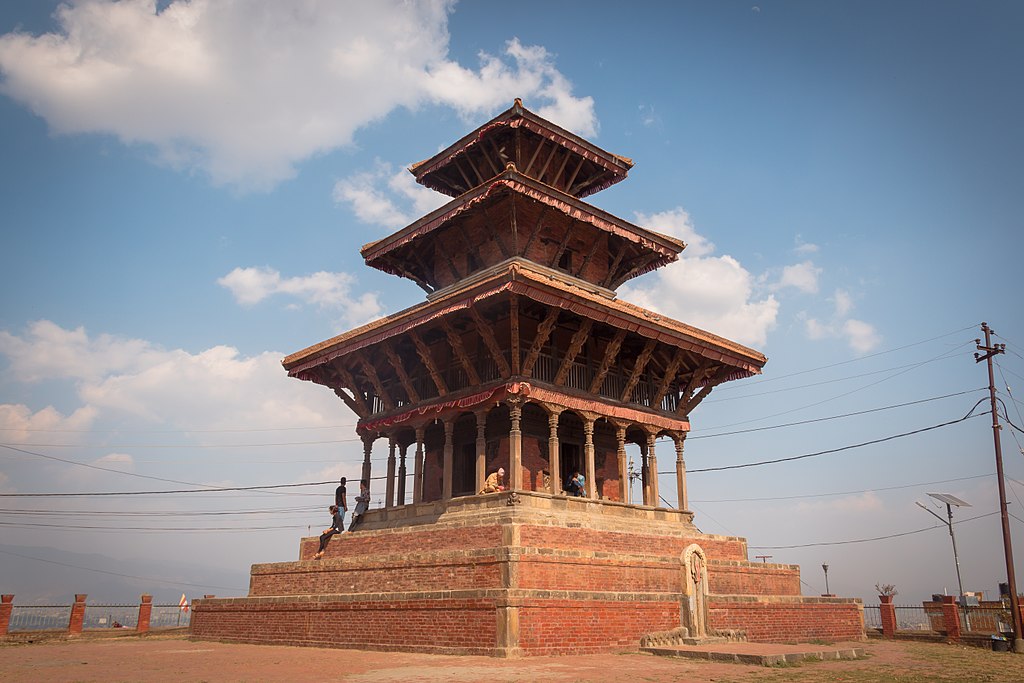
point(841, 448)
point(126, 576)
point(847, 393)
point(869, 540)
point(842, 493)
point(861, 358)
point(835, 417)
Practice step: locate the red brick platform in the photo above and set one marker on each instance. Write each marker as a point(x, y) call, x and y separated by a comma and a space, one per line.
point(515, 574)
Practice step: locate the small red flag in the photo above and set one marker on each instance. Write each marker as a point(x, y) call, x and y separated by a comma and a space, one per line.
point(183, 603)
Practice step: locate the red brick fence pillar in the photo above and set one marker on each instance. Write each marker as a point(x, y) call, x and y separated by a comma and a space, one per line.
point(6, 606)
point(951, 617)
point(888, 615)
point(145, 611)
point(77, 614)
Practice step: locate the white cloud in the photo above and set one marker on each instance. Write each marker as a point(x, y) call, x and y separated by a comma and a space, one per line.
point(677, 223)
point(48, 350)
point(19, 424)
point(715, 293)
point(801, 276)
point(117, 461)
point(245, 90)
point(372, 204)
point(214, 389)
point(862, 337)
point(843, 302)
point(804, 247)
point(332, 291)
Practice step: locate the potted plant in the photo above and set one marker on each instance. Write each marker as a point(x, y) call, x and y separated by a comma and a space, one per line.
point(886, 592)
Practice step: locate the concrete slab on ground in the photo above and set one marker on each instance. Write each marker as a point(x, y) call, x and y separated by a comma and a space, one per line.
point(764, 654)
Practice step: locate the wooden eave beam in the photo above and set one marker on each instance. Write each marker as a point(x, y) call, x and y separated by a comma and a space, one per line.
point(533, 157)
point(490, 162)
point(638, 368)
point(615, 263)
point(694, 401)
point(469, 183)
point(455, 341)
point(561, 249)
point(423, 351)
point(536, 229)
point(590, 255)
point(450, 261)
point(543, 333)
point(349, 382)
point(496, 230)
point(576, 172)
point(696, 378)
point(409, 272)
point(476, 171)
point(403, 376)
point(491, 342)
point(378, 386)
point(637, 263)
point(547, 162)
point(470, 249)
point(610, 353)
point(666, 380)
point(575, 346)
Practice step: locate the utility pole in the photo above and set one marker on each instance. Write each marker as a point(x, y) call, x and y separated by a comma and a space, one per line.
point(990, 351)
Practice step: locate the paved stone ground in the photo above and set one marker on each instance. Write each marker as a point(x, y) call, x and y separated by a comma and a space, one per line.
point(174, 658)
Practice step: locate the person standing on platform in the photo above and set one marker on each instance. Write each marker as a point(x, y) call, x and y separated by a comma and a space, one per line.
point(341, 502)
point(337, 526)
point(362, 503)
point(494, 482)
point(578, 485)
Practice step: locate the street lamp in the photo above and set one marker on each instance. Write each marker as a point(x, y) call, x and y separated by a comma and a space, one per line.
point(827, 591)
point(950, 501)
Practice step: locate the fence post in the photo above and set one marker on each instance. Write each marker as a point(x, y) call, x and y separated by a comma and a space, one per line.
point(145, 611)
point(951, 618)
point(887, 612)
point(6, 606)
point(77, 614)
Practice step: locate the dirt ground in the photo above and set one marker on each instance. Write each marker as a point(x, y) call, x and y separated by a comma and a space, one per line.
point(178, 659)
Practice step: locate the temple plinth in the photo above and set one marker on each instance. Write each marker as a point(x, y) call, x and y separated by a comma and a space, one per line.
point(522, 357)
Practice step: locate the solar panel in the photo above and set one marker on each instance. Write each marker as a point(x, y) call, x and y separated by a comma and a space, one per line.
point(950, 499)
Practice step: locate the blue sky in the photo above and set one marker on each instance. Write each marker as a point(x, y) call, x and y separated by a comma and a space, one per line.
point(185, 188)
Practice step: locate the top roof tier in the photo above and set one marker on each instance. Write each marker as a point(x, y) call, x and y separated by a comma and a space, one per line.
point(538, 148)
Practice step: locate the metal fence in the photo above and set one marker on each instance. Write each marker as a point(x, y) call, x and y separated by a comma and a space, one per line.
point(39, 618)
point(872, 616)
point(111, 616)
point(987, 619)
point(912, 618)
point(168, 616)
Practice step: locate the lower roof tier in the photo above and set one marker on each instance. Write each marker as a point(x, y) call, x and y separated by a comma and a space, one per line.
point(518, 322)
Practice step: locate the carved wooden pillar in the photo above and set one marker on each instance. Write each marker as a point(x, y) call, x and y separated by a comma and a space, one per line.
point(554, 462)
point(515, 443)
point(402, 450)
point(681, 471)
point(417, 469)
point(368, 440)
point(620, 452)
point(481, 449)
point(389, 485)
point(588, 450)
point(645, 474)
point(652, 471)
point(449, 451)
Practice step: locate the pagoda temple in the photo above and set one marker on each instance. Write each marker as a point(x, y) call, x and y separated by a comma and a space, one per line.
point(523, 358)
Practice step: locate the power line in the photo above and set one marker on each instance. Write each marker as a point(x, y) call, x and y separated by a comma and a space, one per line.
point(836, 450)
point(835, 417)
point(190, 446)
point(154, 493)
point(860, 358)
point(126, 576)
point(812, 384)
point(161, 513)
point(848, 393)
point(175, 431)
point(24, 525)
point(843, 493)
point(866, 540)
